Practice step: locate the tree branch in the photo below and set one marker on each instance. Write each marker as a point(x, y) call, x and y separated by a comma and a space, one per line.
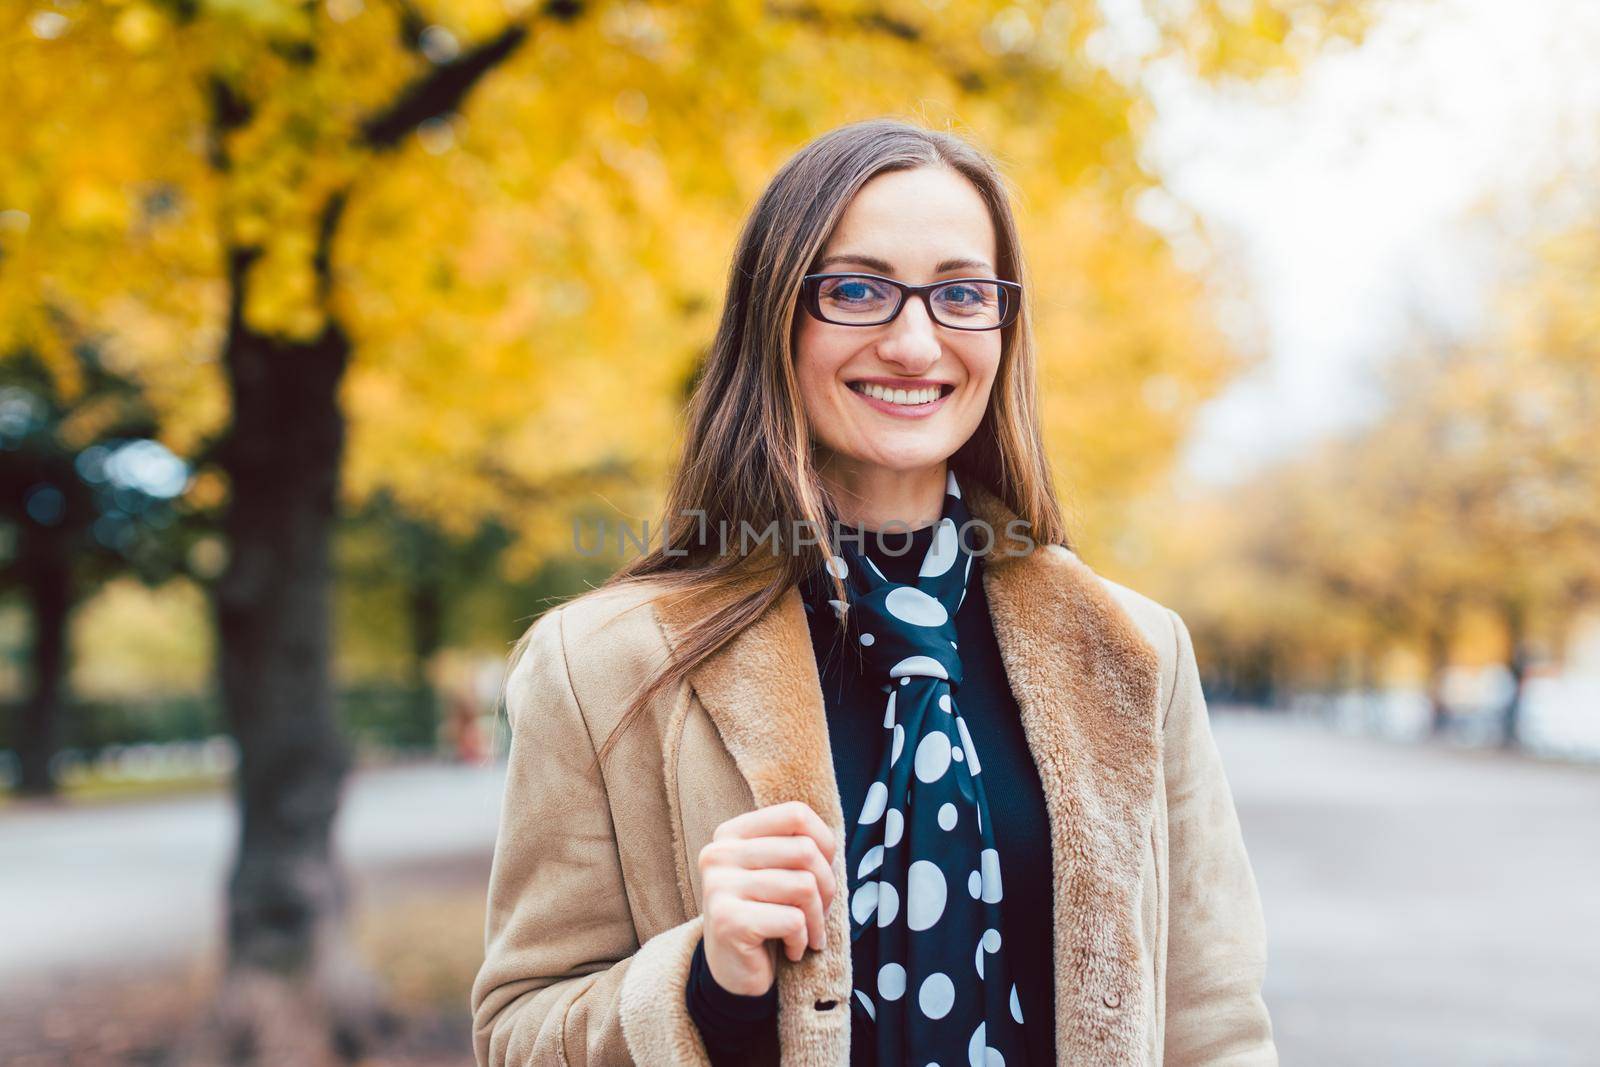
point(442, 89)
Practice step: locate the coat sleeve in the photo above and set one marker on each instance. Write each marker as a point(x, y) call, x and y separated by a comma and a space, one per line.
point(564, 980)
point(1217, 941)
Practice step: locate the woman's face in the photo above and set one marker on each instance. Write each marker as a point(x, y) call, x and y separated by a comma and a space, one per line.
point(916, 226)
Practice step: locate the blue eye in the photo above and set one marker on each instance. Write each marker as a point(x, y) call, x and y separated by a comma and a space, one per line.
point(969, 297)
point(856, 292)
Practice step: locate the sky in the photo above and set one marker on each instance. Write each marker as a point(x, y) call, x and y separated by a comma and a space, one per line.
point(1353, 199)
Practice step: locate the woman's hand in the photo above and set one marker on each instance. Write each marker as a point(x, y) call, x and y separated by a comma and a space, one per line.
point(766, 874)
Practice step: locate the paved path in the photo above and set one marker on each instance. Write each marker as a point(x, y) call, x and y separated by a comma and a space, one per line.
point(142, 882)
point(1424, 905)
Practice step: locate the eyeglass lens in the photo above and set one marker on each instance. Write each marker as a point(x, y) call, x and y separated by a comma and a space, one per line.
point(863, 300)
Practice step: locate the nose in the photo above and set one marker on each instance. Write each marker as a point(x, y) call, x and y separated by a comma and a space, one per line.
point(912, 342)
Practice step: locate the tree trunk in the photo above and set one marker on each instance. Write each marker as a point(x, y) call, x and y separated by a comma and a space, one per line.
point(289, 965)
point(1440, 636)
point(1516, 623)
point(287, 896)
point(1367, 685)
point(47, 584)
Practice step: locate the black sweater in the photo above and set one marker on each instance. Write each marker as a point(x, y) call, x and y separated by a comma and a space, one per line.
point(735, 1027)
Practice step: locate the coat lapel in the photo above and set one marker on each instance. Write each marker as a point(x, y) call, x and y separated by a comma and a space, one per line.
point(764, 694)
point(1087, 685)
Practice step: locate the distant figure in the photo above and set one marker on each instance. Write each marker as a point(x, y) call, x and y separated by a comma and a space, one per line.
point(465, 733)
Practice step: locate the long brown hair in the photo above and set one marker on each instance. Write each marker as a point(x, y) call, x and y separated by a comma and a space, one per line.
point(747, 453)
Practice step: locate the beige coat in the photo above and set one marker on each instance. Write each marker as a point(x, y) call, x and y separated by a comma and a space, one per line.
point(594, 898)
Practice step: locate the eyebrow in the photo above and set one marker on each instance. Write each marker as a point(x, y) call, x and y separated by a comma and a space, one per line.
point(882, 265)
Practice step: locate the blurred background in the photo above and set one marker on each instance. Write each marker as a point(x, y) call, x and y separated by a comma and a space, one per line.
point(323, 323)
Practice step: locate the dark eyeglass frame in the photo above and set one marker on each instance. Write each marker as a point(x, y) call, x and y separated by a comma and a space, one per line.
point(811, 290)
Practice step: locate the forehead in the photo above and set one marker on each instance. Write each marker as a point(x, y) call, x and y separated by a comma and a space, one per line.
point(915, 220)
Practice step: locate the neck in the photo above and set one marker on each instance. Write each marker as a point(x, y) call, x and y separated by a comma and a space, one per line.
point(874, 497)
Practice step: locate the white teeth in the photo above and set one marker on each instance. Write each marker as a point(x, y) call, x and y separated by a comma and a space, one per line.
point(908, 397)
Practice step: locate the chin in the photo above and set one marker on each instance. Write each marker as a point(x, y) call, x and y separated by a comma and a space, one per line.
point(903, 460)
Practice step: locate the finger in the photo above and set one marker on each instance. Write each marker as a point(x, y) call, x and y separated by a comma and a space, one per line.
point(790, 817)
point(799, 852)
point(778, 885)
point(763, 919)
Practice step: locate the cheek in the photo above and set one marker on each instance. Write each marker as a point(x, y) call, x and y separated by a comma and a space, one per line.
point(818, 358)
point(983, 362)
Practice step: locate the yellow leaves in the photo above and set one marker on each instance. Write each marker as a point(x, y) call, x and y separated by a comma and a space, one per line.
point(655, 32)
point(89, 205)
point(282, 291)
point(1252, 38)
point(139, 28)
point(1555, 310)
point(528, 281)
point(275, 17)
point(1127, 351)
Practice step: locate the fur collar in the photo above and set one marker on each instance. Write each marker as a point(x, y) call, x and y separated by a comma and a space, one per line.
point(1087, 685)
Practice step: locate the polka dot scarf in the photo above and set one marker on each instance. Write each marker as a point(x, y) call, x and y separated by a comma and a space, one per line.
point(930, 967)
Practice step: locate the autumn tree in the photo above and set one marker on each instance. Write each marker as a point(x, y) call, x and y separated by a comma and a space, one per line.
point(1475, 489)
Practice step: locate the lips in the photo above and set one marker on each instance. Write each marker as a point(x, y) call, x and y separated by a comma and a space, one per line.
point(913, 403)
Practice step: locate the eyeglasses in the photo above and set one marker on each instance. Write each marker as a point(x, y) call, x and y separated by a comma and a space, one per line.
point(846, 299)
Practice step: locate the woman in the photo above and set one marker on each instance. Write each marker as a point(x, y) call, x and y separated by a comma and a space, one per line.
point(1041, 860)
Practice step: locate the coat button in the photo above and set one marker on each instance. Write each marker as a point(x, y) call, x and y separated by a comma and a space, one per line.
point(1111, 999)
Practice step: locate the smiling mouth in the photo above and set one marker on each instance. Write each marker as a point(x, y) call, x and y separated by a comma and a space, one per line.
point(903, 397)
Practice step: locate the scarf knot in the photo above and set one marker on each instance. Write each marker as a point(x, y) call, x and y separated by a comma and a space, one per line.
point(903, 632)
